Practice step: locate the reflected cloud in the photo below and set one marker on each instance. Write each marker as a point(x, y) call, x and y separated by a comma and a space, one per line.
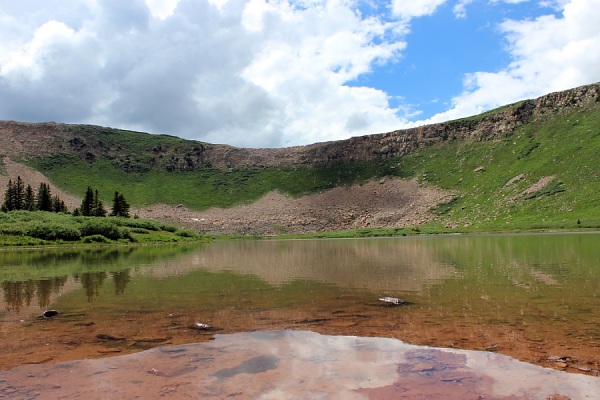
point(296, 364)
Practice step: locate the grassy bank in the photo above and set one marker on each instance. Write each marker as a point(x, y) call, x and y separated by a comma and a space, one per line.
point(25, 228)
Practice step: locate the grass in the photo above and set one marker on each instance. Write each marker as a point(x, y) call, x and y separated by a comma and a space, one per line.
point(206, 188)
point(482, 174)
point(24, 228)
point(564, 147)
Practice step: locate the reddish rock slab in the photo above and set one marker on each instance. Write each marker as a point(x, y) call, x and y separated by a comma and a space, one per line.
point(299, 365)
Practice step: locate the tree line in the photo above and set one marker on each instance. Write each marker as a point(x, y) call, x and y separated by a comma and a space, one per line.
point(21, 197)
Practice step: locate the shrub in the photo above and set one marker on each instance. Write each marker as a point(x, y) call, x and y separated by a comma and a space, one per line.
point(168, 228)
point(185, 233)
point(140, 231)
point(95, 239)
point(53, 232)
point(140, 224)
point(14, 230)
point(108, 229)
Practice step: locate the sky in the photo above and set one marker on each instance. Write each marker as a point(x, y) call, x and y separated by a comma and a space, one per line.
point(262, 73)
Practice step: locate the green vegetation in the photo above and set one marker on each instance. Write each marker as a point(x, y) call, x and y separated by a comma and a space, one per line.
point(37, 228)
point(209, 187)
point(493, 181)
point(19, 197)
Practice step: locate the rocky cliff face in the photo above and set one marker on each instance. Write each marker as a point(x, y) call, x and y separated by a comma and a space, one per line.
point(90, 142)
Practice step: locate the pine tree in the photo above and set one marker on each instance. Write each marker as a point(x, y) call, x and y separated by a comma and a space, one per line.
point(9, 200)
point(44, 198)
point(98, 210)
point(29, 201)
point(58, 206)
point(120, 206)
point(19, 194)
point(87, 204)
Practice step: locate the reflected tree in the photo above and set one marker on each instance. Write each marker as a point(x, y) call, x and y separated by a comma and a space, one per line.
point(47, 287)
point(18, 294)
point(91, 282)
point(121, 280)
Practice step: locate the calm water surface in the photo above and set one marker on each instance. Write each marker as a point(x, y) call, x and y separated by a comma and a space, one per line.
point(495, 277)
point(529, 290)
point(536, 295)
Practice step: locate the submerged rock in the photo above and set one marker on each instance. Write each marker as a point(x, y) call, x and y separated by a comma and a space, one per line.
point(50, 313)
point(391, 300)
point(201, 326)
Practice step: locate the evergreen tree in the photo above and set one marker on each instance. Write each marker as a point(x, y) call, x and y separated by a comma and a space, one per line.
point(87, 204)
point(120, 206)
point(44, 198)
point(29, 201)
point(19, 194)
point(99, 210)
point(9, 199)
point(58, 206)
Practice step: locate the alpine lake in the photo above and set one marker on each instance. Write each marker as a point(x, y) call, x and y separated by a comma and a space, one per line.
point(512, 316)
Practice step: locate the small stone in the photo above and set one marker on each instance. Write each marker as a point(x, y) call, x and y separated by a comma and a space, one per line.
point(391, 300)
point(493, 347)
point(558, 358)
point(201, 326)
point(560, 364)
point(50, 314)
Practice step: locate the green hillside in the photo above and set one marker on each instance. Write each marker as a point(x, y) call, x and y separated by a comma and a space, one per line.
point(563, 147)
point(489, 178)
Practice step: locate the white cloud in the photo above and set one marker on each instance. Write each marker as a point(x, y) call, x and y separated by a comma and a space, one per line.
point(548, 54)
point(258, 72)
point(460, 8)
point(407, 9)
point(162, 8)
point(251, 73)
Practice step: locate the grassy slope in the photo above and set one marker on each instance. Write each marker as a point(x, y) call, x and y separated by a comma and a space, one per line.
point(204, 189)
point(565, 146)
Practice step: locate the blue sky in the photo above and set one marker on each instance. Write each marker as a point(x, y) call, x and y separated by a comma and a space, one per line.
point(260, 73)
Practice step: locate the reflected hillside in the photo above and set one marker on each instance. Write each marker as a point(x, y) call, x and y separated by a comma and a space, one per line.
point(374, 264)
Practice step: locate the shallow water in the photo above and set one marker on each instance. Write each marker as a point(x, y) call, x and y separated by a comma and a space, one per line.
point(297, 365)
point(533, 297)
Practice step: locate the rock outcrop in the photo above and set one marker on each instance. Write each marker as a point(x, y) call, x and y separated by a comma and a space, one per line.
point(87, 142)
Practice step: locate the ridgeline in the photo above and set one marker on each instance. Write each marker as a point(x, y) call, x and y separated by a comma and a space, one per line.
point(528, 165)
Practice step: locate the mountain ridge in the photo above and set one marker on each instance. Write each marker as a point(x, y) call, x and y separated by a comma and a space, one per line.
point(19, 139)
point(527, 165)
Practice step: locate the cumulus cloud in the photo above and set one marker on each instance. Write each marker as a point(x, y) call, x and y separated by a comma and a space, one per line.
point(256, 73)
point(407, 9)
point(259, 73)
point(549, 53)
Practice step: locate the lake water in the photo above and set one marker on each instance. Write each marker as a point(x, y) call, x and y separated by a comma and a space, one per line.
point(533, 297)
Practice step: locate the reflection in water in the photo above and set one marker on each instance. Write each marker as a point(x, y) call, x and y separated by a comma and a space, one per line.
point(42, 274)
point(532, 296)
point(375, 264)
point(19, 294)
point(91, 282)
point(121, 279)
point(297, 365)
